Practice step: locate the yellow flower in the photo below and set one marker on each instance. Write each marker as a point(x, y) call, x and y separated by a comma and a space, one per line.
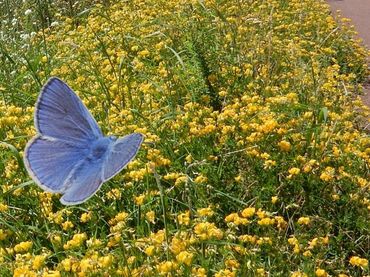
point(225, 273)
point(325, 240)
point(320, 273)
point(76, 241)
point(274, 199)
point(23, 247)
point(248, 238)
point(335, 196)
point(166, 267)
point(51, 273)
point(131, 260)
point(261, 213)
point(185, 257)
point(307, 115)
point(87, 264)
point(294, 171)
point(150, 216)
point(67, 225)
point(292, 241)
point(269, 164)
point(248, 212)
point(205, 212)
point(139, 200)
point(3, 207)
point(231, 217)
point(200, 179)
point(313, 243)
point(232, 264)
point(198, 272)
point(298, 274)
point(120, 217)
point(134, 48)
point(362, 182)
point(3, 234)
point(38, 262)
point(308, 166)
point(171, 176)
point(206, 230)
point(238, 178)
point(106, 261)
point(144, 53)
point(222, 93)
point(266, 221)
point(94, 242)
point(328, 174)
point(264, 240)
point(268, 126)
point(184, 218)
point(158, 238)
point(57, 217)
point(114, 194)
point(178, 244)
point(260, 272)
point(181, 180)
point(85, 217)
point(265, 156)
point(66, 264)
point(280, 222)
point(303, 220)
point(114, 240)
point(284, 145)
point(56, 239)
point(189, 159)
point(23, 271)
point(358, 261)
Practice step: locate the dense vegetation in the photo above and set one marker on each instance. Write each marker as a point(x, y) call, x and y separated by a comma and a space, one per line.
point(255, 163)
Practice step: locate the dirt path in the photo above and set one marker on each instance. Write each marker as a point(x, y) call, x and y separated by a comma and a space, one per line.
point(359, 12)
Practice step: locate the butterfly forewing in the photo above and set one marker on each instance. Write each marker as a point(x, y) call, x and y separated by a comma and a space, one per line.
point(50, 162)
point(60, 114)
point(121, 153)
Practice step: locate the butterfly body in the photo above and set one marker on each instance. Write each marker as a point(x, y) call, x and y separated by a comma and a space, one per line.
point(100, 147)
point(70, 155)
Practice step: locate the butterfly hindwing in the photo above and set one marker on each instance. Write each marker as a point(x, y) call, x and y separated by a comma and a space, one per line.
point(84, 182)
point(60, 114)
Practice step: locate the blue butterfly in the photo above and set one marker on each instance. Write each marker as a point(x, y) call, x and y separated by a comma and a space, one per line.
point(70, 155)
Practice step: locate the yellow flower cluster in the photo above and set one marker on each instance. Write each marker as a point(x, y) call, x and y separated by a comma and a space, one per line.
point(207, 231)
point(358, 261)
point(76, 241)
point(23, 247)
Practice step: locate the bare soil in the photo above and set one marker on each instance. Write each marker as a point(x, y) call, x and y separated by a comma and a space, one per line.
point(359, 12)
